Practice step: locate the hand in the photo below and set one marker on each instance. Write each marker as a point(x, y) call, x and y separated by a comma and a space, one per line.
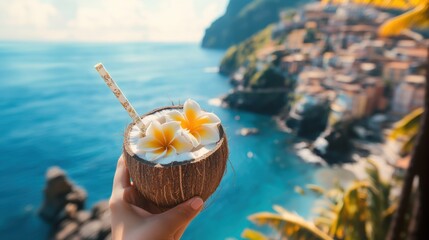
point(134, 217)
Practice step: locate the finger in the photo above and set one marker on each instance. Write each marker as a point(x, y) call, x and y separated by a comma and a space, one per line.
point(181, 215)
point(127, 179)
point(180, 232)
point(122, 177)
point(134, 198)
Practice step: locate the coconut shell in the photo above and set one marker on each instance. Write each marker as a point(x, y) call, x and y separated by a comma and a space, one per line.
point(170, 184)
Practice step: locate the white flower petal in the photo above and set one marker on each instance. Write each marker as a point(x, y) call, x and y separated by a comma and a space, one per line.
point(155, 130)
point(149, 144)
point(152, 156)
point(181, 144)
point(170, 151)
point(191, 109)
point(188, 137)
point(175, 116)
point(208, 134)
point(212, 118)
point(170, 130)
point(195, 140)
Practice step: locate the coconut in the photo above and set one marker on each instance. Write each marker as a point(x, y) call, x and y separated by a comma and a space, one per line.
point(167, 185)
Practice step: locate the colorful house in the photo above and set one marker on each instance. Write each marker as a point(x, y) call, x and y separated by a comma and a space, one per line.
point(396, 71)
point(409, 95)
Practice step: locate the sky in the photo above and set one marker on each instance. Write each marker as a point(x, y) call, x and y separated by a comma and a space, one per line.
point(108, 20)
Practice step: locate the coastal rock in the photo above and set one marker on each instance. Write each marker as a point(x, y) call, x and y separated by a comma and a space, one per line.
point(268, 78)
point(101, 212)
point(63, 209)
point(238, 55)
point(58, 187)
point(71, 210)
point(99, 209)
point(67, 230)
point(106, 226)
point(77, 196)
point(68, 212)
point(82, 216)
point(56, 182)
point(90, 230)
point(310, 122)
point(265, 101)
point(242, 19)
point(334, 145)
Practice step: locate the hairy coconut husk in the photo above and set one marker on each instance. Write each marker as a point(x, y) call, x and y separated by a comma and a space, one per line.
point(171, 184)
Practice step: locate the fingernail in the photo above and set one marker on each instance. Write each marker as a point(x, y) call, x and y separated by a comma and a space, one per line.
point(196, 203)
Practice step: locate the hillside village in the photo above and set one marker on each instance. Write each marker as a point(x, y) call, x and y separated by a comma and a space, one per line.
point(329, 77)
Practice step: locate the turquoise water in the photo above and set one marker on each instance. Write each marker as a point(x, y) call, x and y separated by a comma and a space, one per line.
point(55, 110)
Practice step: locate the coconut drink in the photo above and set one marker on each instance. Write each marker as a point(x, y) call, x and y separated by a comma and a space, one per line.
point(173, 153)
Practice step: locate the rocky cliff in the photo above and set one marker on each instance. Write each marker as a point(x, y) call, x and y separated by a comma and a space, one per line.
point(264, 101)
point(242, 19)
point(64, 209)
point(245, 52)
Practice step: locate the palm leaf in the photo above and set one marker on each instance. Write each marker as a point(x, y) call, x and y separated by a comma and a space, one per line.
point(408, 125)
point(408, 145)
point(336, 227)
point(289, 225)
point(381, 185)
point(322, 222)
point(253, 235)
point(373, 171)
point(415, 18)
point(334, 195)
point(325, 212)
point(391, 210)
point(352, 212)
point(280, 210)
point(315, 189)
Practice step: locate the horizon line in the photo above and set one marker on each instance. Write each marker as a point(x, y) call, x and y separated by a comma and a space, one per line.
point(93, 42)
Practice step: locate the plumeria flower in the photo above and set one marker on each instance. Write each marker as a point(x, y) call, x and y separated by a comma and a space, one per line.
point(201, 126)
point(163, 140)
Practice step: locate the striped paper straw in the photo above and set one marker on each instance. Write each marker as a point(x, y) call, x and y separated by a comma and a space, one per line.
point(120, 96)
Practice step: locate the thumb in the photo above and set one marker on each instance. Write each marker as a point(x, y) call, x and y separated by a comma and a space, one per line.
point(182, 214)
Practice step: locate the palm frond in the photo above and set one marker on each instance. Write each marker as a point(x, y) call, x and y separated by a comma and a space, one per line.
point(322, 221)
point(415, 18)
point(391, 210)
point(336, 229)
point(334, 195)
point(408, 145)
point(253, 235)
point(408, 125)
point(316, 189)
point(373, 172)
point(289, 225)
point(380, 187)
point(325, 212)
point(280, 210)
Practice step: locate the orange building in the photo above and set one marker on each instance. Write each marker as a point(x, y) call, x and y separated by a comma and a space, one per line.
point(396, 71)
point(374, 90)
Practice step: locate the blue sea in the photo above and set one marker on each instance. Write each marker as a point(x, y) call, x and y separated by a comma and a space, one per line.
point(56, 110)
